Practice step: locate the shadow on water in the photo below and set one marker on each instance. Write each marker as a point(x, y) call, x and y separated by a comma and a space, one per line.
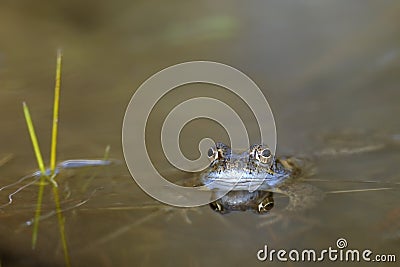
point(325, 68)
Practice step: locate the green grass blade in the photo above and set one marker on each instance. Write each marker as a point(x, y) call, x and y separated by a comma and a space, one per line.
point(53, 156)
point(34, 140)
point(107, 152)
point(38, 211)
point(89, 181)
point(61, 224)
point(56, 105)
point(39, 159)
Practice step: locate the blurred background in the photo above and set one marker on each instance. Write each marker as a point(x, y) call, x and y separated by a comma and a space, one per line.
point(324, 66)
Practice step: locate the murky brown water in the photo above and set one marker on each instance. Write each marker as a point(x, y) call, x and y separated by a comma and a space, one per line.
point(324, 68)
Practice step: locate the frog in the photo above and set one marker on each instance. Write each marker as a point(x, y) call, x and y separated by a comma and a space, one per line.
point(254, 175)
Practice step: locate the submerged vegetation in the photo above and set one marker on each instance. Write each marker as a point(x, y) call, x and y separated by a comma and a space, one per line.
point(51, 174)
point(6, 159)
point(47, 176)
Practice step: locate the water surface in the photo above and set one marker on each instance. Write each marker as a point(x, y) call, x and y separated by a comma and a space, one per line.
point(325, 68)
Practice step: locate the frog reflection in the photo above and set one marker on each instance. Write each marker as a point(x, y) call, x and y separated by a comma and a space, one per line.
point(257, 201)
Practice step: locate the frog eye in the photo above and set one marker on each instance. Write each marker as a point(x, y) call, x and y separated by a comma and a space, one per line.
point(265, 155)
point(212, 154)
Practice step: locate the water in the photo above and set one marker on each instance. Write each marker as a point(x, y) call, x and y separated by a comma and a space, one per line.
point(325, 68)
